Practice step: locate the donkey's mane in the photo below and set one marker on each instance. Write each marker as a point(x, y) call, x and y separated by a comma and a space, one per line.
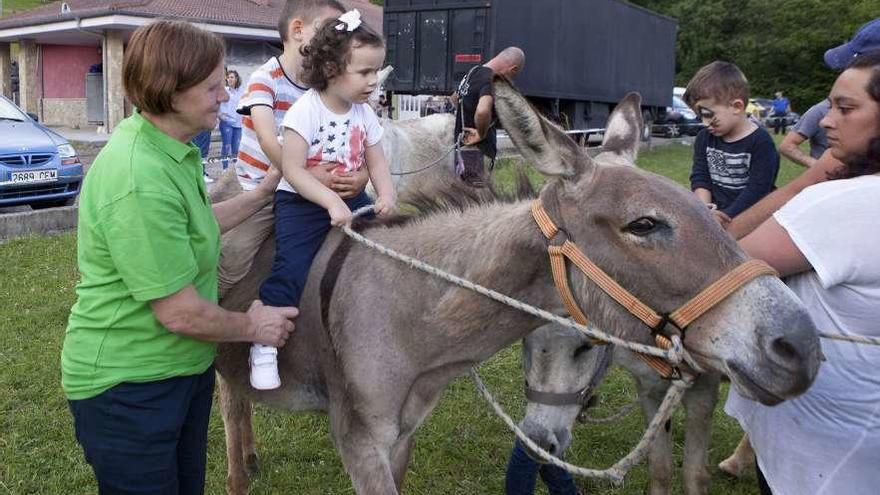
point(451, 194)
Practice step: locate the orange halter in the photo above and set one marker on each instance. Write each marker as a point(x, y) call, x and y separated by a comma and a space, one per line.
point(657, 322)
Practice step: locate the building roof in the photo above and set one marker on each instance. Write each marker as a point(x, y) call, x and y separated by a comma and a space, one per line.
point(249, 13)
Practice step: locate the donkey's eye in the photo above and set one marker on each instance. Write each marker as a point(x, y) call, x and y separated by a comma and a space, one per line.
point(642, 226)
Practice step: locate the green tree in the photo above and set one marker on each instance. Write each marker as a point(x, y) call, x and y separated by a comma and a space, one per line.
point(778, 45)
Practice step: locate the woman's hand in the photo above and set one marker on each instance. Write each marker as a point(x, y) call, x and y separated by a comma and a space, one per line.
point(349, 184)
point(269, 183)
point(324, 173)
point(385, 206)
point(340, 214)
point(270, 325)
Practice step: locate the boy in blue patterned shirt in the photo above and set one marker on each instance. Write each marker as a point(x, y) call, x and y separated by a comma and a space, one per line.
point(735, 160)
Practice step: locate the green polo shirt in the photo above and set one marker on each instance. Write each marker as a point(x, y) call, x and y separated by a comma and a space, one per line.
point(146, 230)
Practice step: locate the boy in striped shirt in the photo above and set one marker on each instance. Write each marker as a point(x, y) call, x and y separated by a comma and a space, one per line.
point(271, 91)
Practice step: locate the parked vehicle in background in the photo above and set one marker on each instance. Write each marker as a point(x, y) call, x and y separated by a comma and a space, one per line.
point(678, 120)
point(759, 108)
point(788, 120)
point(38, 167)
point(594, 57)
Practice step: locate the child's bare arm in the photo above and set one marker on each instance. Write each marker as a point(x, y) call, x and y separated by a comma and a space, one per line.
point(294, 169)
point(263, 118)
point(704, 194)
point(380, 174)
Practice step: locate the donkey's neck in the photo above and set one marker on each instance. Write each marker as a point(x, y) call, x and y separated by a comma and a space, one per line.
point(498, 246)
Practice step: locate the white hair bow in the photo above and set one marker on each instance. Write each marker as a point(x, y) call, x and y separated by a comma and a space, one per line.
point(349, 20)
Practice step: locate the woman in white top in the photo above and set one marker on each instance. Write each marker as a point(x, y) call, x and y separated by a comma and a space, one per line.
point(827, 441)
point(230, 119)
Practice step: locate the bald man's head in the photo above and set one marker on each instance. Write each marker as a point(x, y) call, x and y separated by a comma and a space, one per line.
point(508, 62)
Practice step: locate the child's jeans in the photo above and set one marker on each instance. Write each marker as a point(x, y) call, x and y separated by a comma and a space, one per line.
point(522, 472)
point(300, 229)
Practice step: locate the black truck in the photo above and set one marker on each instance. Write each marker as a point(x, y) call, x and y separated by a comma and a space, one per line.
point(582, 56)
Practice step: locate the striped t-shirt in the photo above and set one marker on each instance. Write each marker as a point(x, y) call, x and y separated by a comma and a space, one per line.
point(272, 87)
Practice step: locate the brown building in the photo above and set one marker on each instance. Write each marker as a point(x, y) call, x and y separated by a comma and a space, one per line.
point(70, 53)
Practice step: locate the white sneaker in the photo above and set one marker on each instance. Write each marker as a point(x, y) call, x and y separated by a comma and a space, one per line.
point(264, 367)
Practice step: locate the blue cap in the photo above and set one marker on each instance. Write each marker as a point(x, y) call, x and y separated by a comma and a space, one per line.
point(867, 38)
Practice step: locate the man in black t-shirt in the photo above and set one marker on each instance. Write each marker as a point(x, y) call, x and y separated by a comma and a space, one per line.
point(475, 114)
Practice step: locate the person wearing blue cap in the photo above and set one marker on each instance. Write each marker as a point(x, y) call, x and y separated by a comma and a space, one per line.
point(827, 440)
point(866, 39)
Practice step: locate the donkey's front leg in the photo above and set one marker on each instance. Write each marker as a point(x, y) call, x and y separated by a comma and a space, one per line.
point(364, 449)
point(699, 404)
point(236, 412)
point(401, 454)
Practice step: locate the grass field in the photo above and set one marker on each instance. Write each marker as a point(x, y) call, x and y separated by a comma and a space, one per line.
point(13, 6)
point(461, 449)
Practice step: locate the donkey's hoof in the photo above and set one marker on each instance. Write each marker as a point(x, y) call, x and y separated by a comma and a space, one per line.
point(252, 464)
point(732, 466)
point(236, 486)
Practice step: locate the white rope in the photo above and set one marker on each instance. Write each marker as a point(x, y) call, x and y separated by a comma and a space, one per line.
point(686, 356)
point(430, 165)
point(621, 413)
point(674, 355)
point(858, 339)
point(618, 471)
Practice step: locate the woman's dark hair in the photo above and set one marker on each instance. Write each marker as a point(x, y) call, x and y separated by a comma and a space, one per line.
point(867, 162)
point(329, 52)
point(237, 78)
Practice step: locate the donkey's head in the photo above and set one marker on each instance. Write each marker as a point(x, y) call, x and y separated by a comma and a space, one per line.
point(562, 370)
point(658, 241)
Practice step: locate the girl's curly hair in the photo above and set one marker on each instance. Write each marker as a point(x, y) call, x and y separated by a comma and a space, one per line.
point(329, 52)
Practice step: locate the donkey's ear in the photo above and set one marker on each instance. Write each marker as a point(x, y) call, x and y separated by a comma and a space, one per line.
point(620, 146)
point(383, 75)
point(541, 143)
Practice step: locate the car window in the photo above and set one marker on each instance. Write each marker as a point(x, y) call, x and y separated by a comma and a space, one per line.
point(9, 111)
point(678, 103)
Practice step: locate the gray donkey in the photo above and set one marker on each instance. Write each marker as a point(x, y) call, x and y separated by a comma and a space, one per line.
point(419, 152)
point(377, 342)
point(564, 371)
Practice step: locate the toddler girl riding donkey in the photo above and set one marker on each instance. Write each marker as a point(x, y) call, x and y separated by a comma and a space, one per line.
point(330, 122)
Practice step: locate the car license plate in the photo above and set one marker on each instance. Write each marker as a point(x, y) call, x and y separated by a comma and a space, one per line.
point(34, 176)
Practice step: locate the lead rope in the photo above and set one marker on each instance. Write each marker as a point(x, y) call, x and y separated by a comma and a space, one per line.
point(624, 411)
point(455, 147)
point(616, 473)
point(459, 115)
point(675, 354)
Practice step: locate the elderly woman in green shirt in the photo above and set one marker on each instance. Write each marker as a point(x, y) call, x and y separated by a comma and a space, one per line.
point(137, 358)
